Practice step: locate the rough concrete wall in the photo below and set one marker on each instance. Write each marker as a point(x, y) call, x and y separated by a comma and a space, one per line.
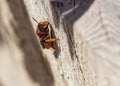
point(88, 50)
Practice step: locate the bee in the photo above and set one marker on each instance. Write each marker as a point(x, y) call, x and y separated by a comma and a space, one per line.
point(44, 34)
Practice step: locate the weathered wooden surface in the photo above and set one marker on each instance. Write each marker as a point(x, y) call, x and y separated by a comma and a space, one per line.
point(89, 46)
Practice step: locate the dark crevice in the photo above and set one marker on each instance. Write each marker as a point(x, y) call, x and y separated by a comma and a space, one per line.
point(72, 10)
point(75, 9)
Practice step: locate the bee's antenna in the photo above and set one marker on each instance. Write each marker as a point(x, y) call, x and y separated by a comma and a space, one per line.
point(35, 20)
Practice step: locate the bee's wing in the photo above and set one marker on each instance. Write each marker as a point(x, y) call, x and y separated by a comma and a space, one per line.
point(50, 33)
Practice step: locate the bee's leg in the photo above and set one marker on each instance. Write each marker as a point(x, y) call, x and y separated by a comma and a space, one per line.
point(51, 39)
point(52, 46)
point(43, 44)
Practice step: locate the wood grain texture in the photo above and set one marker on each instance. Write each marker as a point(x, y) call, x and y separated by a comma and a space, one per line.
point(100, 29)
point(21, 59)
point(88, 50)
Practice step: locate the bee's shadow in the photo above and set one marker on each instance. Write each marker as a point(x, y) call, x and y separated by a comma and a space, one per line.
point(55, 43)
